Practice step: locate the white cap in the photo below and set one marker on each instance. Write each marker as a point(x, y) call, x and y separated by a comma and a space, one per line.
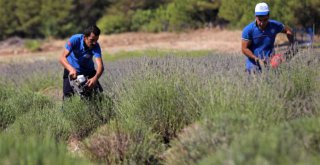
point(261, 9)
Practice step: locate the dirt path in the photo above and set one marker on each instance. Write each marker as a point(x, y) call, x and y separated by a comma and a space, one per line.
point(203, 39)
point(207, 39)
point(210, 39)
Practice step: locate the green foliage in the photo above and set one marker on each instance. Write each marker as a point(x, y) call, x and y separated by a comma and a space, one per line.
point(30, 150)
point(124, 15)
point(46, 18)
point(283, 12)
point(140, 18)
point(160, 21)
point(174, 15)
point(164, 104)
point(38, 81)
point(61, 18)
point(86, 116)
point(230, 109)
point(300, 90)
point(15, 103)
point(124, 142)
point(113, 24)
point(41, 122)
point(177, 14)
point(33, 45)
point(292, 143)
point(239, 13)
point(181, 14)
point(29, 19)
point(8, 21)
point(302, 83)
point(167, 110)
point(196, 142)
point(56, 19)
point(292, 12)
point(85, 12)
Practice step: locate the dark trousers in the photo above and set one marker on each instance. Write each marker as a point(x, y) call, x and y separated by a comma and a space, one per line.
point(67, 89)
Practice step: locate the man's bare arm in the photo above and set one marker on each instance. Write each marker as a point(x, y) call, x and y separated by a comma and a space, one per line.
point(63, 60)
point(100, 68)
point(246, 51)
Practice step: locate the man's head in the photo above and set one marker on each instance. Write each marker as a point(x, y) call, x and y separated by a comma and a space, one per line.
point(91, 35)
point(262, 14)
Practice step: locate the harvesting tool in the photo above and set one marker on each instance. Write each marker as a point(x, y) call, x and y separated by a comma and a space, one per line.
point(79, 85)
point(277, 59)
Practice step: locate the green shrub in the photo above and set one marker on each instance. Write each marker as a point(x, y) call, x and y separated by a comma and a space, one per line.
point(30, 150)
point(301, 83)
point(174, 17)
point(86, 116)
point(293, 143)
point(124, 142)
point(140, 18)
point(159, 23)
point(113, 24)
point(38, 81)
point(195, 142)
point(251, 101)
point(42, 122)
point(229, 110)
point(15, 103)
point(298, 87)
point(33, 45)
point(166, 104)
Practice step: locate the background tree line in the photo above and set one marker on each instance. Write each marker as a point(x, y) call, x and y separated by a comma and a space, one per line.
point(60, 18)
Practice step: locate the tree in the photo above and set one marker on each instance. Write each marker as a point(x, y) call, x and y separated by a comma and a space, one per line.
point(86, 12)
point(290, 12)
point(128, 15)
point(55, 18)
point(8, 21)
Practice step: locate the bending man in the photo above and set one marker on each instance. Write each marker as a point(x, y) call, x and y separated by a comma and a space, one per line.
point(259, 36)
point(77, 59)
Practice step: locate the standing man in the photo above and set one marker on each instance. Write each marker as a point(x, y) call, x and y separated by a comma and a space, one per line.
point(259, 36)
point(77, 59)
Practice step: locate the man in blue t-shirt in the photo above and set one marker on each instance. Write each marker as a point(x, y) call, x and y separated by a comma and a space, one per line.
point(77, 60)
point(259, 36)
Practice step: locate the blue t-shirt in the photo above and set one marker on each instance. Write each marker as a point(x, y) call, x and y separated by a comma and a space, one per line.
point(80, 56)
point(262, 40)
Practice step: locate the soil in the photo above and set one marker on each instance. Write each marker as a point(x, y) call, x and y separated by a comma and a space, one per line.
point(204, 39)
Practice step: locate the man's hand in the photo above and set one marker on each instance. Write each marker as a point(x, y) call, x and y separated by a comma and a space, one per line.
point(261, 63)
point(73, 73)
point(92, 82)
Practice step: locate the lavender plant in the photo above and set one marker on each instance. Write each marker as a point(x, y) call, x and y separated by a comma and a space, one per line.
point(158, 97)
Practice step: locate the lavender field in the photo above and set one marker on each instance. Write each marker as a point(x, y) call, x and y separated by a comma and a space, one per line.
point(164, 108)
